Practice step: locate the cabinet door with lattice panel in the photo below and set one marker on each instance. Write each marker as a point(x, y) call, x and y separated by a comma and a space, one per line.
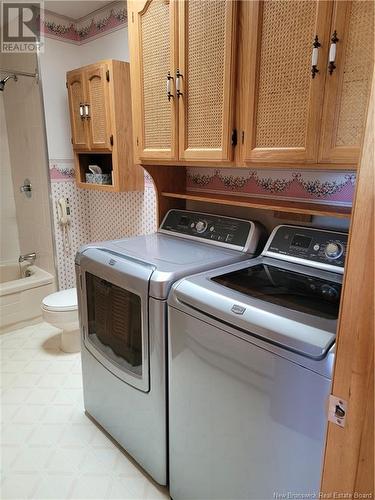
point(98, 117)
point(348, 81)
point(153, 55)
point(76, 96)
point(205, 79)
point(283, 95)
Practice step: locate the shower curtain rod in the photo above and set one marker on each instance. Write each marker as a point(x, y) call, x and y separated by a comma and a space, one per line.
point(20, 73)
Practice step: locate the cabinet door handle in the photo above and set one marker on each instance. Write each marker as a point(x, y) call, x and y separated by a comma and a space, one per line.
point(178, 76)
point(81, 111)
point(87, 110)
point(314, 56)
point(169, 86)
point(332, 53)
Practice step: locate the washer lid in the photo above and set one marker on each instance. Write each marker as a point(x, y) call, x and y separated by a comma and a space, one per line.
point(296, 330)
point(65, 300)
point(171, 258)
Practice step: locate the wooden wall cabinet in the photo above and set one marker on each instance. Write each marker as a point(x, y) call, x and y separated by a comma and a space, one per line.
point(348, 82)
point(294, 113)
point(182, 68)
point(97, 79)
point(90, 92)
point(153, 55)
point(282, 100)
point(188, 68)
point(75, 83)
point(101, 124)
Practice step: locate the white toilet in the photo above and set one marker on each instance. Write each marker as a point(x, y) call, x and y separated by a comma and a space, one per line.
point(60, 309)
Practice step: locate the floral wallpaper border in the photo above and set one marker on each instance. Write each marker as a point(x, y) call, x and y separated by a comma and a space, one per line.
point(93, 26)
point(310, 186)
point(331, 187)
point(62, 170)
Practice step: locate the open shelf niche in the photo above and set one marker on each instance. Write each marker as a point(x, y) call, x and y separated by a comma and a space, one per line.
point(102, 160)
point(170, 184)
point(291, 207)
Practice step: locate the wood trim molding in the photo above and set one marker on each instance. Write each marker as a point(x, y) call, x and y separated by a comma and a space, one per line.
point(349, 455)
point(165, 179)
point(287, 206)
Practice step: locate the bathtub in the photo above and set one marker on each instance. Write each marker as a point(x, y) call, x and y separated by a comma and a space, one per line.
point(20, 297)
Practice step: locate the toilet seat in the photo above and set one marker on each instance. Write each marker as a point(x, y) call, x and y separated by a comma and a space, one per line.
point(61, 319)
point(65, 300)
point(60, 309)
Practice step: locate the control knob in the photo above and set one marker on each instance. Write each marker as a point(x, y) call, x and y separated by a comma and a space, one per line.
point(334, 250)
point(201, 226)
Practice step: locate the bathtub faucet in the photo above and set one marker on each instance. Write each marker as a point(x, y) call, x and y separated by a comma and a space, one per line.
point(29, 257)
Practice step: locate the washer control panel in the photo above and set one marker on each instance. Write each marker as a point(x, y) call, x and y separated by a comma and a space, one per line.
point(315, 246)
point(225, 231)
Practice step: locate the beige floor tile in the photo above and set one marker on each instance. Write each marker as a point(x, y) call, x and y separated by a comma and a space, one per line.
point(50, 448)
point(54, 487)
point(18, 486)
point(31, 460)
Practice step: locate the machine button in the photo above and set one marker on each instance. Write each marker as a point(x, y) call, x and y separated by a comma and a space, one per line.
point(329, 292)
point(212, 229)
point(192, 225)
point(201, 226)
point(316, 247)
point(334, 250)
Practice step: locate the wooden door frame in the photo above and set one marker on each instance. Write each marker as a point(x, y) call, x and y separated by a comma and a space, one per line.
point(349, 454)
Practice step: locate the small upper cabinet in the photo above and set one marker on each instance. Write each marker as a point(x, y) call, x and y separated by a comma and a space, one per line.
point(306, 73)
point(348, 81)
point(89, 103)
point(284, 93)
point(75, 83)
point(98, 111)
point(204, 79)
point(101, 123)
point(182, 78)
point(153, 54)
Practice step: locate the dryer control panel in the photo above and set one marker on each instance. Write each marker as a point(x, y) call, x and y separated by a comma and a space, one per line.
point(315, 247)
point(238, 234)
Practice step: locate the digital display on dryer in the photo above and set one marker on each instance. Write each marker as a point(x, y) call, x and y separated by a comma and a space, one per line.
point(184, 221)
point(301, 241)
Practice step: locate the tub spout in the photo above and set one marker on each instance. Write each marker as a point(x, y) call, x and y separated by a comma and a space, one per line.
point(29, 257)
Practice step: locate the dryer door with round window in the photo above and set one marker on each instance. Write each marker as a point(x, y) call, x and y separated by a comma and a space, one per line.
point(114, 314)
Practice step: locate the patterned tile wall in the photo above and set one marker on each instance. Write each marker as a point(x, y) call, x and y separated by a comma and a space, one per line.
point(330, 187)
point(79, 229)
point(96, 216)
point(113, 215)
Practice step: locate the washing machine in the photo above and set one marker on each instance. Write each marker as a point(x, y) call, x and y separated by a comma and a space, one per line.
point(251, 352)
